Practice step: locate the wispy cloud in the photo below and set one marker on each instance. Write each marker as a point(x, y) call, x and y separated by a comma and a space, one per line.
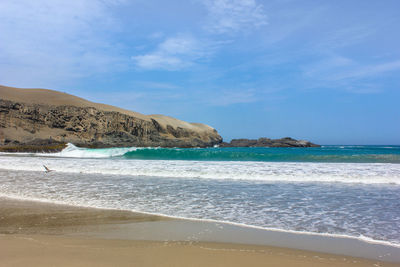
point(328, 66)
point(363, 88)
point(344, 37)
point(156, 35)
point(231, 97)
point(230, 16)
point(336, 68)
point(183, 51)
point(157, 85)
point(173, 53)
point(343, 73)
point(47, 41)
point(369, 70)
point(241, 94)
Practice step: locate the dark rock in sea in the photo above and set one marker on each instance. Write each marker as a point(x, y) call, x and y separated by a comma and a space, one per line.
point(266, 142)
point(36, 145)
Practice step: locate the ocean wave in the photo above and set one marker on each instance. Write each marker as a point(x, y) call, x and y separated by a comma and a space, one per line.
point(339, 154)
point(72, 151)
point(366, 173)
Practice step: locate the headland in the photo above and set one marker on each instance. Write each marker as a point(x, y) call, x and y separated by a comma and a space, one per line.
point(42, 120)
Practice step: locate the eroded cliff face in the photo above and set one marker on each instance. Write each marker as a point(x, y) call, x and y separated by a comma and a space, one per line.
point(36, 124)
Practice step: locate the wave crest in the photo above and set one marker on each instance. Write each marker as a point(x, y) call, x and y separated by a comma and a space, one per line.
point(334, 154)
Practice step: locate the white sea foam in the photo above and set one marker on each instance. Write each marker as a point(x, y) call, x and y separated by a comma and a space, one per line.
point(273, 229)
point(72, 151)
point(334, 208)
point(333, 199)
point(366, 173)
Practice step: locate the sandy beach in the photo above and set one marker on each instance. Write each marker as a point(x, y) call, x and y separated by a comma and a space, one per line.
point(43, 234)
point(199, 133)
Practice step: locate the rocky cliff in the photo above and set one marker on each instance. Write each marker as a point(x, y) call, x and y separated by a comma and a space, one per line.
point(266, 142)
point(39, 119)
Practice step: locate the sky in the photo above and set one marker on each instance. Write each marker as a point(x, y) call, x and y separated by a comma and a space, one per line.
point(325, 71)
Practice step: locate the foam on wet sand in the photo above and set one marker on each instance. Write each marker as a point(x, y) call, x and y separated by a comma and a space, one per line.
point(44, 234)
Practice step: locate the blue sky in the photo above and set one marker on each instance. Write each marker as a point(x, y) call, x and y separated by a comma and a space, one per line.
point(327, 71)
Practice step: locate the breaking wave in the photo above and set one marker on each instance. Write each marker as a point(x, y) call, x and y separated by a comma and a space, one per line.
point(339, 154)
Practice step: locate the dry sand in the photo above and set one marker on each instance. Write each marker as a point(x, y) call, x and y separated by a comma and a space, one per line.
point(37, 250)
point(40, 234)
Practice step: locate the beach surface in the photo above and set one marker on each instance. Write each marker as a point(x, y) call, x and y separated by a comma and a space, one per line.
point(45, 234)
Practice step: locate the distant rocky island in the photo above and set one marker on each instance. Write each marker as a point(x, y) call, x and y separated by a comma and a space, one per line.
point(266, 142)
point(41, 120)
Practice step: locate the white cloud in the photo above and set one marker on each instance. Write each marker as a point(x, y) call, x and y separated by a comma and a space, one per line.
point(230, 16)
point(364, 88)
point(337, 68)
point(344, 37)
point(156, 35)
point(159, 61)
point(369, 70)
point(158, 85)
point(328, 66)
point(232, 97)
point(183, 51)
point(47, 41)
point(174, 53)
point(346, 74)
point(178, 45)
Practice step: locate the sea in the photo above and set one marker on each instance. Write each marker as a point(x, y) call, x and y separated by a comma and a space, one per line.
point(341, 191)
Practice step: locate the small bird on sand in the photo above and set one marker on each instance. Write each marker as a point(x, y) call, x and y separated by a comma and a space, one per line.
point(47, 169)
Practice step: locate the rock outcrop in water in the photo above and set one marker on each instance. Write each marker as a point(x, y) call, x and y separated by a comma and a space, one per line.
point(266, 142)
point(45, 120)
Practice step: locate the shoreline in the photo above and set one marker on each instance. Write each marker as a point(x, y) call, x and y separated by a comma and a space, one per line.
point(41, 220)
point(242, 226)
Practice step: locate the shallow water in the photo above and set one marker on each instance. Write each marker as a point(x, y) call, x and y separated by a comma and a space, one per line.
point(354, 199)
point(344, 154)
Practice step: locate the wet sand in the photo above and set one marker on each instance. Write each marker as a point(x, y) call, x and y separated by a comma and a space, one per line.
point(42, 234)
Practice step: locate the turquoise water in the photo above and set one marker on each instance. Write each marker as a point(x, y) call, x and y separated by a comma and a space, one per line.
point(351, 154)
point(335, 190)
